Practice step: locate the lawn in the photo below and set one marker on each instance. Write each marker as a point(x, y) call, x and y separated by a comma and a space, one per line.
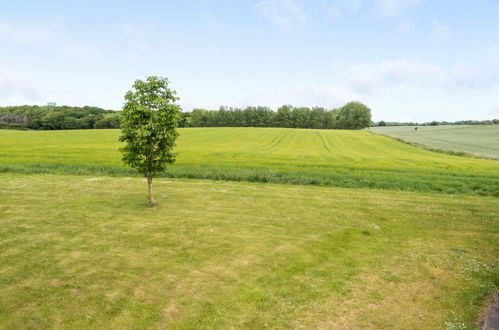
point(86, 252)
point(355, 159)
point(477, 140)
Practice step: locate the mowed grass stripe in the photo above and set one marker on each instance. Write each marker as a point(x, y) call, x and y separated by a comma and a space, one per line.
point(330, 157)
point(87, 252)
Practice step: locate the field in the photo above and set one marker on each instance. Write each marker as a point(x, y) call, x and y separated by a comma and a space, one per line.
point(86, 252)
point(354, 159)
point(477, 140)
point(413, 246)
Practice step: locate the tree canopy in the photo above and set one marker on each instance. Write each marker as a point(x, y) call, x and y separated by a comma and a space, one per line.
point(52, 117)
point(353, 115)
point(149, 121)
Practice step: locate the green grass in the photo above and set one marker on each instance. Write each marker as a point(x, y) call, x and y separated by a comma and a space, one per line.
point(86, 252)
point(356, 159)
point(476, 140)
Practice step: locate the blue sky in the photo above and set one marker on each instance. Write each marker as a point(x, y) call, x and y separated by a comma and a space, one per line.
point(408, 60)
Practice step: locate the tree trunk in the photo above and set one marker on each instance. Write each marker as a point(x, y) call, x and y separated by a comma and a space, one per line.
point(152, 202)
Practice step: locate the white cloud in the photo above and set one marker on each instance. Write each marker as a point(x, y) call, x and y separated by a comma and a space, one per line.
point(217, 50)
point(283, 13)
point(80, 50)
point(493, 55)
point(142, 38)
point(394, 7)
point(405, 25)
point(132, 30)
point(407, 75)
point(439, 31)
point(464, 76)
point(350, 5)
point(368, 78)
point(494, 113)
point(335, 8)
point(16, 86)
point(25, 35)
point(330, 96)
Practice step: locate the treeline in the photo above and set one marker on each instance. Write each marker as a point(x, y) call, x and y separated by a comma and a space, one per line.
point(437, 123)
point(52, 117)
point(353, 115)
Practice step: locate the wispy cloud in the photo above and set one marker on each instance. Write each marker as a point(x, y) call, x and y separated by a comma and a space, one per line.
point(439, 30)
point(353, 6)
point(412, 74)
point(394, 7)
point(136, 38)
point(333, 9)
point(283, 13)
point(370, 77)
point(75, 49)
point(310, 94)
point(493, 55)
point(23, 34)
point(464, 76)
point(217, 50)
point(16, 84)
point(142, 37)
point(494, 113)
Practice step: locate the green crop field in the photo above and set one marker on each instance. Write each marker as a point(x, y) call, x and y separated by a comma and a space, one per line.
point(477, 140)
point(356, 159)
point(84, 252)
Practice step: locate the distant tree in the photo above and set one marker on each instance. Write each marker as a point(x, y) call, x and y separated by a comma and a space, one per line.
point(185, 119)
point(284, 116)
point(301, 117)
point(354, 115)
point(149, 128)
point(318, 118)
point(53, 120)
point(199, 118)
point(110, 120)
point(382, 123)
point(69, 123)
point(88, 121)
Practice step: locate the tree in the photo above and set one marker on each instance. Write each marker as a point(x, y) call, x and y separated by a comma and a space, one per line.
point(301, 117)
point(110, 120)
point(354, 115)
point(149, 128)
point(283, 118)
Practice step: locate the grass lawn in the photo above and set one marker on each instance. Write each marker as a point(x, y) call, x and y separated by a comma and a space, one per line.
point(355, 159)
point(475, 139)
point(86, 252)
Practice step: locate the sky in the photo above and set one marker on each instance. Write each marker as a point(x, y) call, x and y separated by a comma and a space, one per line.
point(408, 60)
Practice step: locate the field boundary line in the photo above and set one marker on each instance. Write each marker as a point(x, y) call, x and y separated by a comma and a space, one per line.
point(438, 150)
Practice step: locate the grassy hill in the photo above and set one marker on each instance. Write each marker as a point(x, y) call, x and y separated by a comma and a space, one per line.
point(327, 157)
point(82, 252)
point(477, 140)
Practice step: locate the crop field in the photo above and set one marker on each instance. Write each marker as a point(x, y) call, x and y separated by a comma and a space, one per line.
point(473, 139)
point(86, 252)
point(355, 159)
